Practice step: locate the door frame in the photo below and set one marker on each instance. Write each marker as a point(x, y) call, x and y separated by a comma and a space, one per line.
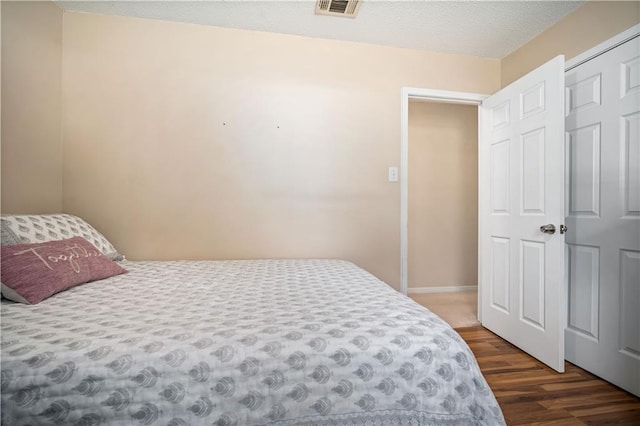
point(428, 95)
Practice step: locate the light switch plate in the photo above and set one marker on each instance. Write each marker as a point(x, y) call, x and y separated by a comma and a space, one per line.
point(393, 174)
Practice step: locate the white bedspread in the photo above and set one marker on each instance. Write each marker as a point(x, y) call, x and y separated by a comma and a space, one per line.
point(304, 342)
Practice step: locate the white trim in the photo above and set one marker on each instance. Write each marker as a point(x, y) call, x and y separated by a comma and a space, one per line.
point(449, 289)
point(416, 93)
point(481, 118)
point(404, 186)
point(603, 47)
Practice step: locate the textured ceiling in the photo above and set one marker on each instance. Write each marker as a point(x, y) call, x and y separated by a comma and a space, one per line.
point(480, 28)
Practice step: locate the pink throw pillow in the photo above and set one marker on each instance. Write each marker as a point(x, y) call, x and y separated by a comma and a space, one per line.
point(32, 272)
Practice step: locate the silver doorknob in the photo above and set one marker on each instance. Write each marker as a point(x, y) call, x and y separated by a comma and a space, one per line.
point(563, 229)
point(548, 229)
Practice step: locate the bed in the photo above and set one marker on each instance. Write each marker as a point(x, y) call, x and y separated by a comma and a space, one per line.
point(287, 342)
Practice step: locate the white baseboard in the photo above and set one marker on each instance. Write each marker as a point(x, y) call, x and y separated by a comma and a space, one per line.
point(448, 289)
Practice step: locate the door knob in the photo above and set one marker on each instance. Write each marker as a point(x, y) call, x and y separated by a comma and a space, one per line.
point(548, 229)
point(563, 229)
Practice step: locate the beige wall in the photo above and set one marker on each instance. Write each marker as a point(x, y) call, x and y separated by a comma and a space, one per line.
point(443, 195)
point(579, 31)
point(31, 107)
point(187, 141)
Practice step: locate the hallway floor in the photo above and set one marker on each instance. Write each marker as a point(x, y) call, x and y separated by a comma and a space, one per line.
point(459, 309)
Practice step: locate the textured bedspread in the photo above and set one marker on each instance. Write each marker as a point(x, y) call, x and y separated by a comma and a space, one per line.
point(304, 342)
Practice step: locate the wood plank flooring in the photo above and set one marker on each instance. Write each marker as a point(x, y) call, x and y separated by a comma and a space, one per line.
point(531, 393)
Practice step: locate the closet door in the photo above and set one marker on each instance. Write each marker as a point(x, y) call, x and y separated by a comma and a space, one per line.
point(603, 215)
point(521, 174)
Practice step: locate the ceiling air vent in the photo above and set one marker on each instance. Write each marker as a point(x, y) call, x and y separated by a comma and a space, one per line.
point(348, 8)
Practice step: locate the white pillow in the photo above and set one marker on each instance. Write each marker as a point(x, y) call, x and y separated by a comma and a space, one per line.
point(8, 237)
point(51, 227)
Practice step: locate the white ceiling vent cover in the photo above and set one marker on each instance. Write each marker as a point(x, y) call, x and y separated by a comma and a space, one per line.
point(347, 8)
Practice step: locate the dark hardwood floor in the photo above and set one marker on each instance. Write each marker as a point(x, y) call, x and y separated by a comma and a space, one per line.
point(531, 393)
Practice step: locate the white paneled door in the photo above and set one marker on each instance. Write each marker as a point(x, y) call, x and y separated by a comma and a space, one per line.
point(603, 215)
point(521, 161)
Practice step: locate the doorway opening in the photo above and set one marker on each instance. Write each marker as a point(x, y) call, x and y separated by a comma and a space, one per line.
point(431, 98)
point(443, 209)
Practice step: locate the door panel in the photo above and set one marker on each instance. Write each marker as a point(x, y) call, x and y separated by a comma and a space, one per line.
point(532, 160)
point(500, 274)
point(584, 176)
point(603, 242)
point(630, 277)
point(532, 283)
point(500, 177)
point(631, 164)
point(522, 188)
point(584, 289)
point(583, 94)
